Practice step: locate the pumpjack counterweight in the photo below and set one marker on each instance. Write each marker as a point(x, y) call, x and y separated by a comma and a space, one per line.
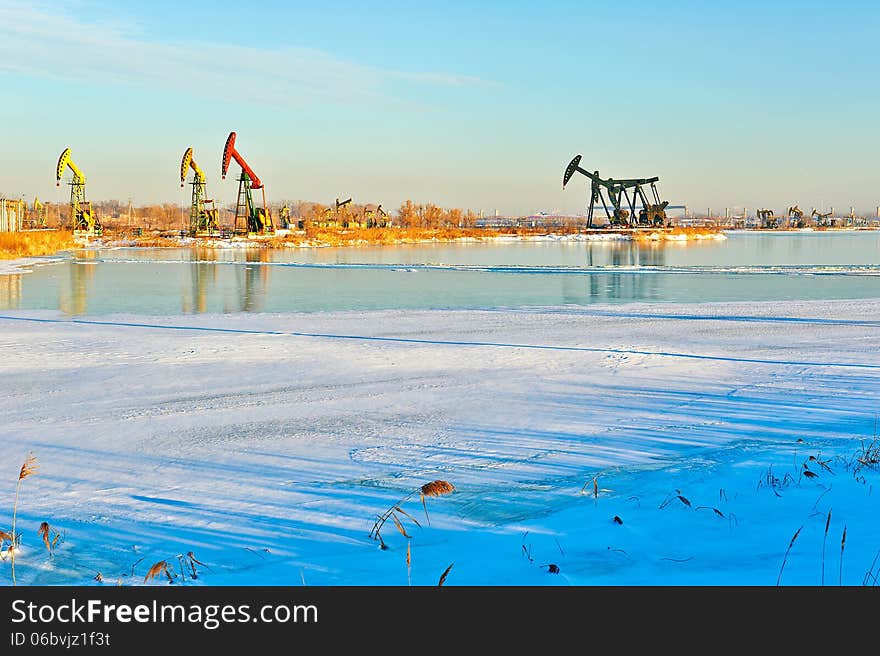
point(624, 196)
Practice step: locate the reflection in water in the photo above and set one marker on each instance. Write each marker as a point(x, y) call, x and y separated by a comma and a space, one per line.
point(81, 273)
point(203, 275)
point(616, 286)
point(253, 281)
point(201, 280)
point(10, 292)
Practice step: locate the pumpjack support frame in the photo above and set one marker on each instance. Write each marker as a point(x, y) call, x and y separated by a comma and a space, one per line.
point(624, 196)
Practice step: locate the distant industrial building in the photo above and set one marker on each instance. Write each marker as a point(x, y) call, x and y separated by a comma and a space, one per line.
point(12, 214)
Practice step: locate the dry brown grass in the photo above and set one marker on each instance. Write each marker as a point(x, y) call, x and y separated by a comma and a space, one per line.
point(678, 234)
point(14, 245)
point(317, 236)
point(154, 241)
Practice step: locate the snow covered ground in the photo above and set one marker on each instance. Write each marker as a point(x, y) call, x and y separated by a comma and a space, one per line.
point(266, 445)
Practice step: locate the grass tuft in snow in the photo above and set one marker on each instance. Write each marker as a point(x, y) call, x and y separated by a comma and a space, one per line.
point(432, 489)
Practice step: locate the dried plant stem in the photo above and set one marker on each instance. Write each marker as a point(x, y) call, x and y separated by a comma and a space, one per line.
point(432, 489)
point(380, 519)
point(14, 539)
point(842, 546)
point(425, 506)
point(785, 558)
point(444, 575)
point(824, 540)
point(28, 468)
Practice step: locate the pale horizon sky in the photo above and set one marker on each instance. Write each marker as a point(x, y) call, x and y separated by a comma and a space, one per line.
point(463, 104)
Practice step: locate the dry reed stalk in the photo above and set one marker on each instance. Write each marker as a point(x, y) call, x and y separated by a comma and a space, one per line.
point(432, 489)
point(50, 537)
point(399, 526)
point(28, 468)
point(842, 545)
point(406, 514)
point(678, 495)
point(43, 532)
point(409, 563)
point(824, 540)
point(785, 558)
point(870, 573)
point(444, 575)
point(159, 568)
point(193, 561)
point(595, 482)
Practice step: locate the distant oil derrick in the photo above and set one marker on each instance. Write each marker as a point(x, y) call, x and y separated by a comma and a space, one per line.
point(374, 216)
point(821, 219)
point(39, 220)
point(767, 219)
point(284, 216)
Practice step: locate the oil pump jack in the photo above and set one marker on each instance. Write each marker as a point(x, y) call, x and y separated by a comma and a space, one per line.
point(651, 214)
point(767, 219)
point(39, 214)
point(795, 217)
point(374, 215)
point(85, 223)
point(821, 219)
point(257, 220)
point(202, 213)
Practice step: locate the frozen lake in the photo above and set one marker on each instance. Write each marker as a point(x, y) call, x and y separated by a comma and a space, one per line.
point(744, 267)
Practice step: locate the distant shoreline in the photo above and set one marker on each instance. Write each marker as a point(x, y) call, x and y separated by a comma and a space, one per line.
point(346, 239)
point(328, 238)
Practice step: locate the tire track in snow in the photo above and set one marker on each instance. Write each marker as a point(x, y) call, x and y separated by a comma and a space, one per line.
point(432, 342)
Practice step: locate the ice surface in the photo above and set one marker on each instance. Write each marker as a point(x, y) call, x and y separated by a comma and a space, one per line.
point(267, 444)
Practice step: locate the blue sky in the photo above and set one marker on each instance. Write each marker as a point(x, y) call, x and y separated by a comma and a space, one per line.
point(466, 104)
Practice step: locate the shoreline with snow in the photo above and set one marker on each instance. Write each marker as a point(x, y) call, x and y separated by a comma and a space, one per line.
point(267, 444)
point(24, 265)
